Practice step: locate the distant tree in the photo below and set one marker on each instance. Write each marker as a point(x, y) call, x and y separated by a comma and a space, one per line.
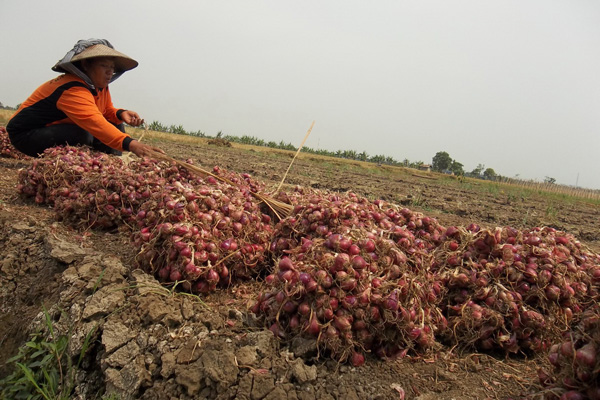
point(324, 152)
point(489, 173)
point(177, 129)
point(157, 126)
point(286, 146)
point(377, 159)
point(479, 170)
point(456, 168)
point(441, 161)
point(549, 180)
point(349, 154)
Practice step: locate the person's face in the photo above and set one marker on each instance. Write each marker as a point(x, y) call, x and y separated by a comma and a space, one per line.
point(100, 70)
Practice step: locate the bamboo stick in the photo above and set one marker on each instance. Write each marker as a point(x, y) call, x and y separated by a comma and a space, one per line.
point(295, 155)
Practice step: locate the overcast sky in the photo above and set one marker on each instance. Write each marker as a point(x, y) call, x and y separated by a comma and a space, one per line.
point(511, 84)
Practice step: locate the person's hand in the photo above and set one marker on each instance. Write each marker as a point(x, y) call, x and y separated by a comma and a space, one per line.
point(143, 150)
point(131, 118)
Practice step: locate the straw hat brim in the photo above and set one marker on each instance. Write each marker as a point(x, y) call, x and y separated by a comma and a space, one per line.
point(122, 62)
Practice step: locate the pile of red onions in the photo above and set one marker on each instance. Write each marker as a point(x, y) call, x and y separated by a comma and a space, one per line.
point(575, 361)
point(87, 189)
point(355, 275)
point(499, 290)
point(6, 148)
point(513, 290)
point(203, 233)
point(198, 231)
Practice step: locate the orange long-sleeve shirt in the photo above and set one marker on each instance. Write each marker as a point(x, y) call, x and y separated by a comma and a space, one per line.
point(67, 99)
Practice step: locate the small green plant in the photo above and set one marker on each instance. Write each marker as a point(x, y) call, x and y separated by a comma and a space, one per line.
point(493, 189)
point(42, 367)
point(551, 212)
point(527, 218)
point(418, 201)
point(511, 198)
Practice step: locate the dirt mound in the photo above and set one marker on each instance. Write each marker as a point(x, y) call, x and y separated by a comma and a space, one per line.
point(28, 279)
point(220, 142)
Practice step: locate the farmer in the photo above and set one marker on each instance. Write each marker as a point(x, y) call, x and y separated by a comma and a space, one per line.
point(76, 108)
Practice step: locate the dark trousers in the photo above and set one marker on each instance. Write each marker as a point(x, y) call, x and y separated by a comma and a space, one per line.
point(35, 141)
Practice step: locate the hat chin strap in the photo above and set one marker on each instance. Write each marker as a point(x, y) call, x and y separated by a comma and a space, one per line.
point(76, 71)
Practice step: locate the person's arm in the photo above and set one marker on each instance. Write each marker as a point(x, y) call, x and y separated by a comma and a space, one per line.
point(143, 150)
point(78, 104)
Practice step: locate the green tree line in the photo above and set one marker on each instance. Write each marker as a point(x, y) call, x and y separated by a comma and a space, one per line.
point(379, 159)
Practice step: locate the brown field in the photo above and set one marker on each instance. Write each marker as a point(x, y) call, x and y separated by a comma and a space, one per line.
point(152, 343)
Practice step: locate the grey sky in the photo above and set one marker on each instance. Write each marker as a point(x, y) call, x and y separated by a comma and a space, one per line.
point(512, 84)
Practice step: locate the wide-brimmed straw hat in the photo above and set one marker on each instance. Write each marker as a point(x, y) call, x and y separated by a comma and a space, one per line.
point(122, 62)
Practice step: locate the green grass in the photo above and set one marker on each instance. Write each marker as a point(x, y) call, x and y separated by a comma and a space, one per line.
point(551, 212)
point(42, 367)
